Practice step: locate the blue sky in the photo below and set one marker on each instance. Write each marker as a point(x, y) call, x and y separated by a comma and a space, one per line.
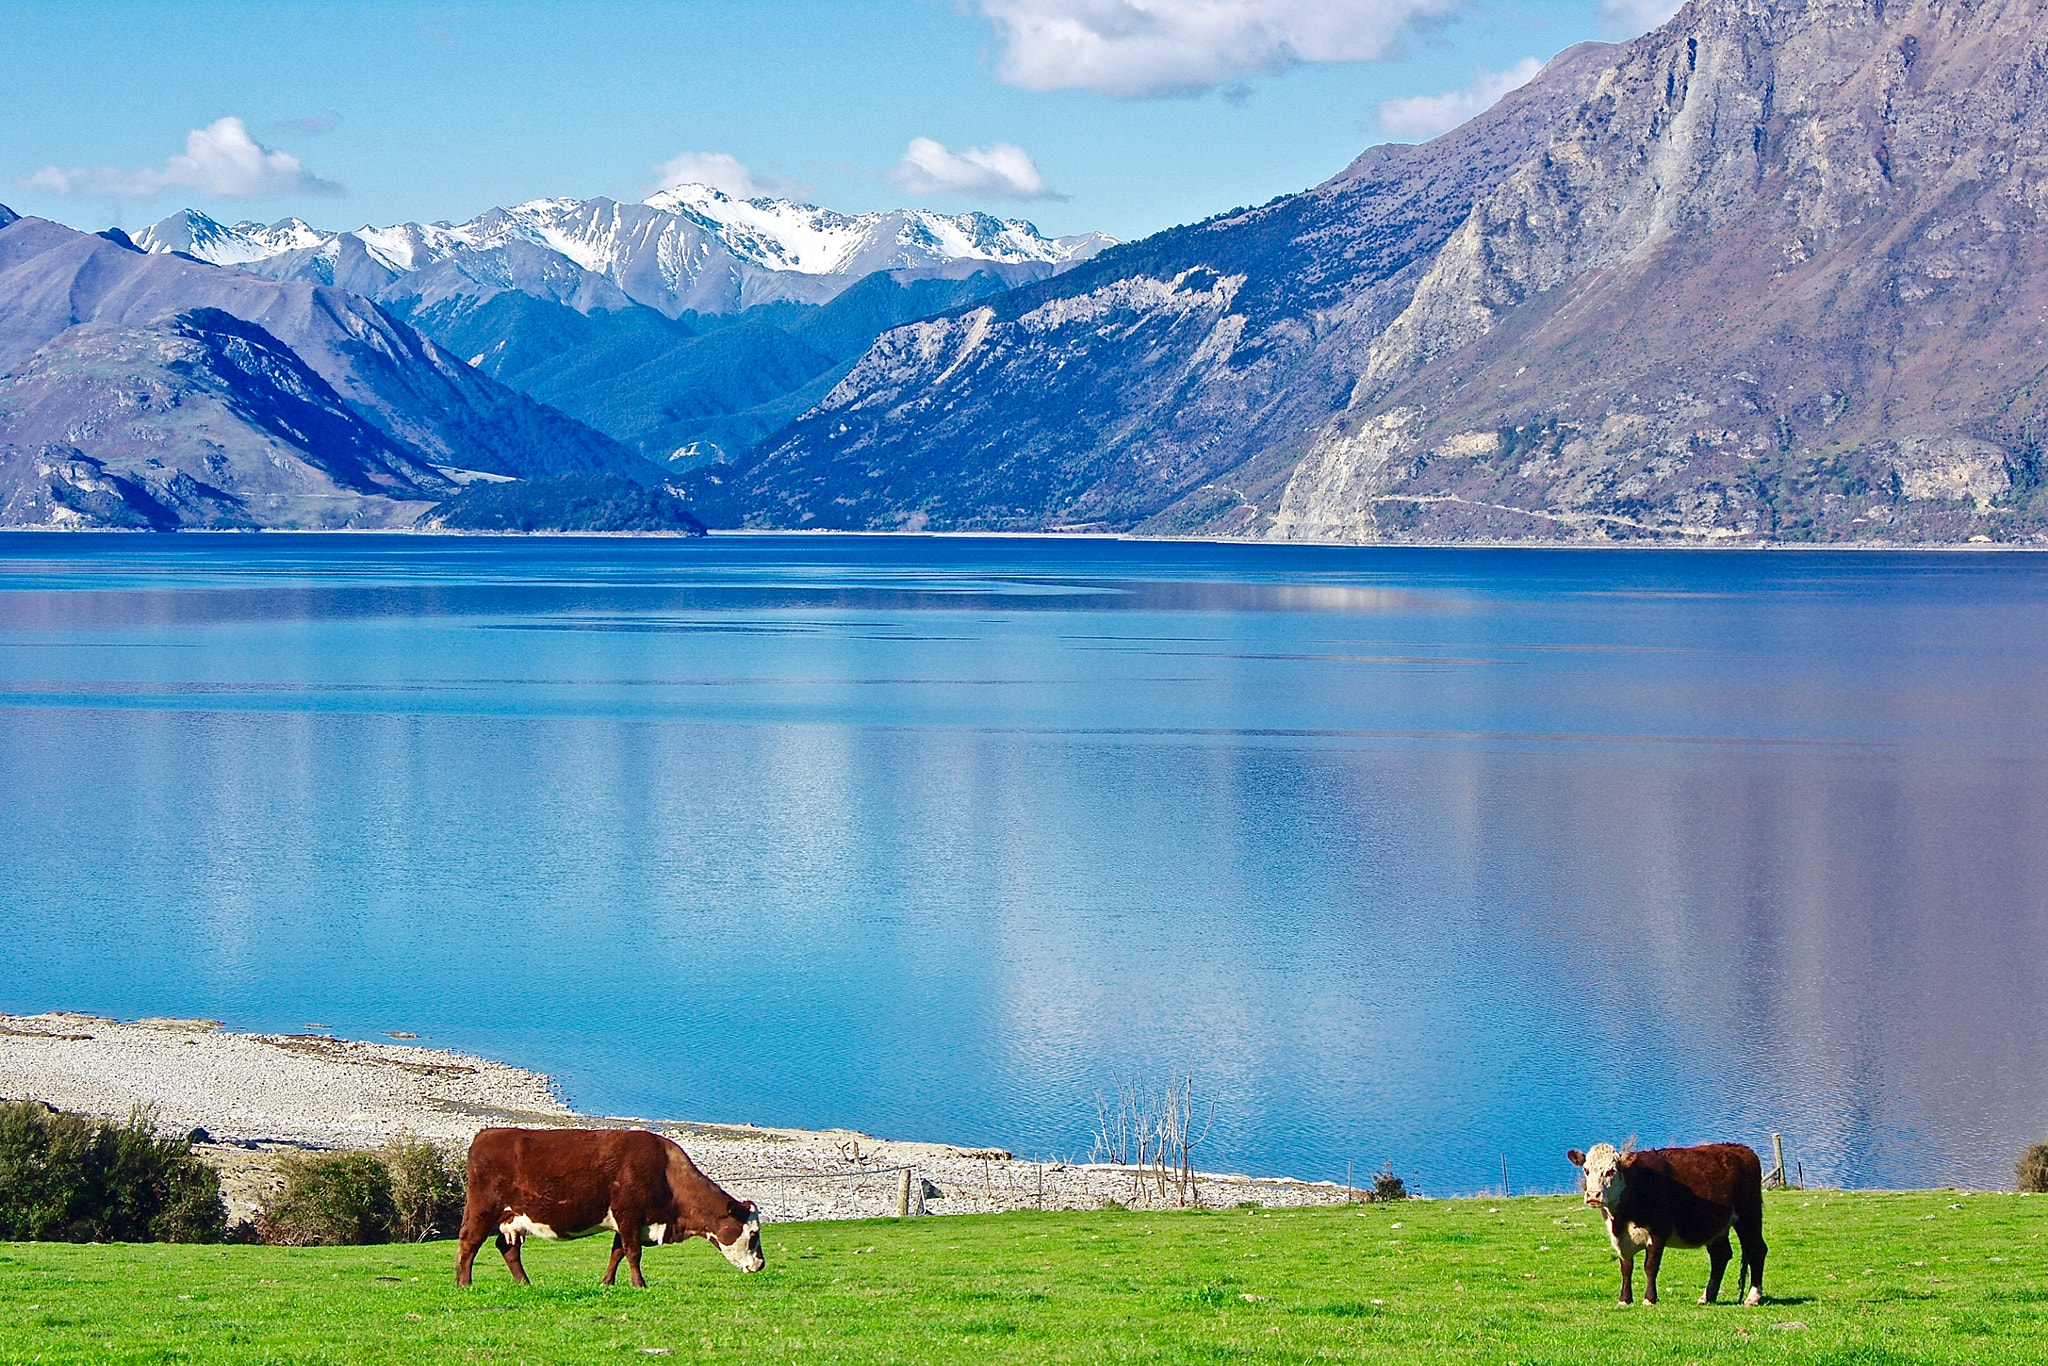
point(1119, 115)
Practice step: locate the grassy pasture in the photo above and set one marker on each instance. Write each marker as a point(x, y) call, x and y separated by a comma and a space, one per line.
point(1859, 1279)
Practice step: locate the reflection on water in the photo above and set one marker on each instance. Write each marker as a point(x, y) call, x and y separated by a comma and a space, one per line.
point(1425, 856)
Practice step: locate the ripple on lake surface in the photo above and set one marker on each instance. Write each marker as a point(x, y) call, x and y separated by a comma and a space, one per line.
point(1421, 856)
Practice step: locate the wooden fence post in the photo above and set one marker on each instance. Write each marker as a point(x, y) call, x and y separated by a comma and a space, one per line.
point(903, 1194)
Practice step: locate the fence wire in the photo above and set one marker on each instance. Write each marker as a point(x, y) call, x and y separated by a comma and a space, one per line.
point(856, 1193)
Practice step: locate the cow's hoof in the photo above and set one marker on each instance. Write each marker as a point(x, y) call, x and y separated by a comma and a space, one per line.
point(1704, 1299)
point(1753, 1298)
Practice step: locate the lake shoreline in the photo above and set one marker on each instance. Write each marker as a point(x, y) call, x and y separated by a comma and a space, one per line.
point(739, 533)
point(262, 1097)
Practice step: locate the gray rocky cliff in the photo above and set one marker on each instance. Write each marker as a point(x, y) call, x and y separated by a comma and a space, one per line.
point(1779, 277)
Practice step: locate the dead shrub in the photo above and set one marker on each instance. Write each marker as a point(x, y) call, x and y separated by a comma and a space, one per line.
point(1155, 1134)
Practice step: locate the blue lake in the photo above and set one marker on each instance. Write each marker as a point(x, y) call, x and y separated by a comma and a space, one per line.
point(1430, 857)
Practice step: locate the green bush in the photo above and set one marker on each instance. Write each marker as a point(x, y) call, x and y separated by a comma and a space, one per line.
point(66, 1178)
point(331, 1200)
point(1387, 1186)
point(426, 1190)
point(568, 502)
point(2031, 1172)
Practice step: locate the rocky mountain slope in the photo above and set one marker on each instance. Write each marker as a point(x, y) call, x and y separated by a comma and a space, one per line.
point(1166, 384)
point(155, 390)
point(688, 249)
point(1781, 277)
point(1767, 273)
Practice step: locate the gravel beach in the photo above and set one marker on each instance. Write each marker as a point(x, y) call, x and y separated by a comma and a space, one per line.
point(260, 1097)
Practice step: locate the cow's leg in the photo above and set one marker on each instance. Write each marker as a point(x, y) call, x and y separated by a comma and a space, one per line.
point(611, 1270)
point(475, 1228)
point(629, 1238)
point(1718, 1253)
point(1653, 1257)
point(510, 1247)
point(1628, 1277)
point(1751, 1231)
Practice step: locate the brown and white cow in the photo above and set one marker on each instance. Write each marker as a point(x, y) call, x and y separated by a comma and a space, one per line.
point(1679, 1197)
point(569, 1183)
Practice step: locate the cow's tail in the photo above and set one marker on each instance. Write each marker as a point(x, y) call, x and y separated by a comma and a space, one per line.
point(1742, 1279)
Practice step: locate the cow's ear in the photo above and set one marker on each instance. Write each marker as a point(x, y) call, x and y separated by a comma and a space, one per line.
point(751, 1205)
point(1578, 1159)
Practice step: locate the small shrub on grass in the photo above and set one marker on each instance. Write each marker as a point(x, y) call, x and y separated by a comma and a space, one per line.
point(2031, 1172)
point(1387, 1186)
point(331, 1200)
point(426, 1190)
point(67, 1178)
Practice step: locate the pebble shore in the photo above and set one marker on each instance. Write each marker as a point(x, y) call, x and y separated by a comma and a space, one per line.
point(260, 1097)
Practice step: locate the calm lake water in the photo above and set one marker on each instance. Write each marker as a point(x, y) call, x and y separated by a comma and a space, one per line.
point(1430, 857)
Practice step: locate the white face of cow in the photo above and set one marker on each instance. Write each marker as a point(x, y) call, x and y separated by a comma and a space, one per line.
point(744, 1251)
point(1604, 1175)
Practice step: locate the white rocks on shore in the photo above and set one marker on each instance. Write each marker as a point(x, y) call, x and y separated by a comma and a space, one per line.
point(258, 1093)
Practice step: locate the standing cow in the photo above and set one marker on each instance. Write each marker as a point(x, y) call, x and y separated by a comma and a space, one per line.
point(568, 1183)
point(1679, 1197)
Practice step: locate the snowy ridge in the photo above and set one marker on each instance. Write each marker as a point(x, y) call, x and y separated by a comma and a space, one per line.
point(197, 235)
point(688, 247)
point(782, 235)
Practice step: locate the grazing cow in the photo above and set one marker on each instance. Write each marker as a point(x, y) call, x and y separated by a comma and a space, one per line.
point(568, 1183)
point(1679, 1197)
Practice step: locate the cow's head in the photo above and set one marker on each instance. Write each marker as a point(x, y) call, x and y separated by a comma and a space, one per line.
point(1604, 1168)
point(739, 1236)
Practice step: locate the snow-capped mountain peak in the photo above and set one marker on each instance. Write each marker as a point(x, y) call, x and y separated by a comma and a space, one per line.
point(195, 234)
point(780, 234)
point(689, 247)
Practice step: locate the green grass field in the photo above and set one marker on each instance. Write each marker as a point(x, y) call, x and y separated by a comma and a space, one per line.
point(1873, 1279)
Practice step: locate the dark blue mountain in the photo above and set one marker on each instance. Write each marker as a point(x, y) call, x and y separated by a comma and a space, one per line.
point(221, 398)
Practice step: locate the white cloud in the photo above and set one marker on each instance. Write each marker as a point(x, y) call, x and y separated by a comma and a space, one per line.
point(724, 171)
point(1421, 117)
point(1627, 18)
point(1142, 49)
point(220, 160)
point(997, 171)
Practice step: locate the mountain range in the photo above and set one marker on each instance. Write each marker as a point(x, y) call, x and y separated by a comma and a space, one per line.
point(1768, 273)
point(688, 326)
point(690, 249)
